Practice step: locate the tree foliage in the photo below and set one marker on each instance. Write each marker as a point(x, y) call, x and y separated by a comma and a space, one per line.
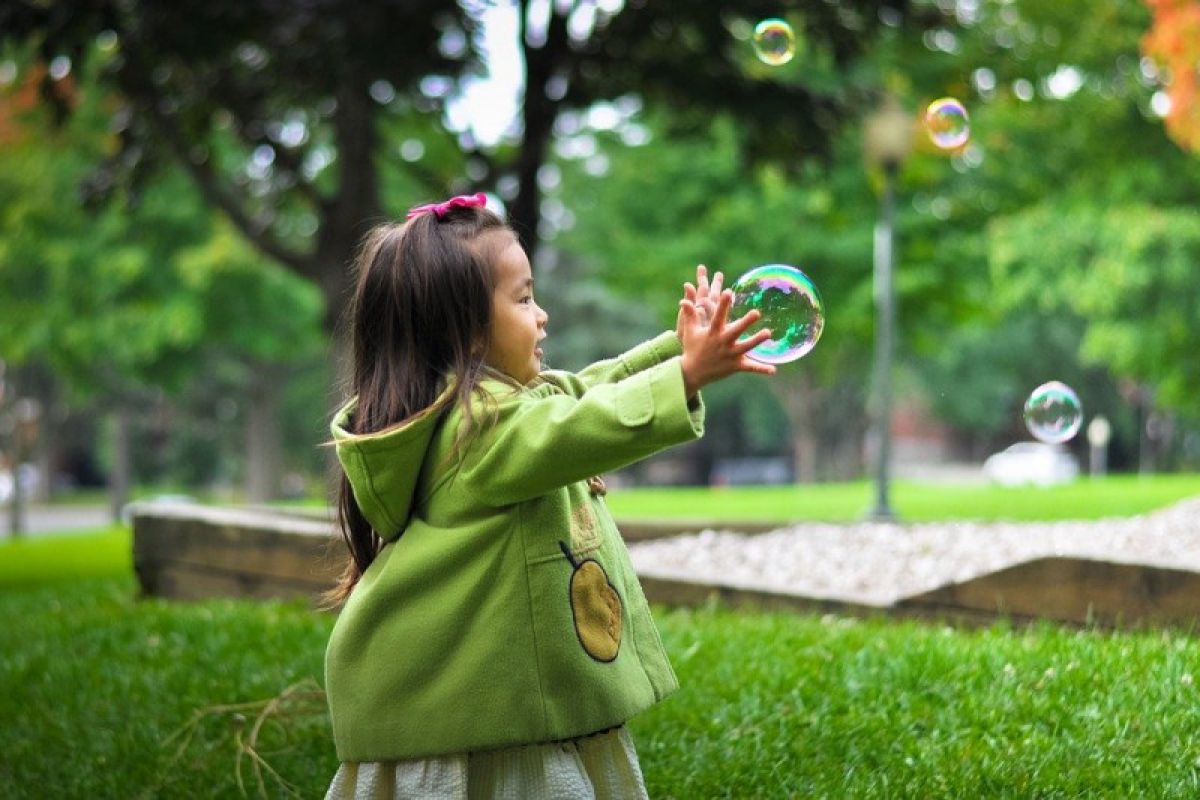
point(290, 116)
point(1174, 41)
point(92, 292)
point(1064, 135)
point(122, 295)
point(1061, 118)
point(648, 139)
point(1128, 272)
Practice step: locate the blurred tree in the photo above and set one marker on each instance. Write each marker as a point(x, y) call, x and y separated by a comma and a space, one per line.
point(359, 124)
point(1063, 121)
point(305, 121)
point(121, 300)
point(87, 293)
point(1174, 42)
point(272, 109)
point(1129, 272)
point(266, 323)
point(674, 202)
point(1060, 108)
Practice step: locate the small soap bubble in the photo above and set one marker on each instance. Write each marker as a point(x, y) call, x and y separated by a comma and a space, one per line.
point(790, 306)
point(1053, 412)
point(774, 42)
point(947, 123)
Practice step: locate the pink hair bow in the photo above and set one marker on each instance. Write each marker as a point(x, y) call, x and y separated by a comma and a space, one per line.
point(439, 210)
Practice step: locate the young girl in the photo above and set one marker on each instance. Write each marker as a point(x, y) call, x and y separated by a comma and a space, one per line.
point(494, 638)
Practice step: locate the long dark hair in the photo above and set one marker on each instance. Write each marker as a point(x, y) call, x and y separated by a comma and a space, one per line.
point(421, 310)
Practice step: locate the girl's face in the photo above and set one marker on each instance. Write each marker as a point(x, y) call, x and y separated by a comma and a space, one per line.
point(518, 323)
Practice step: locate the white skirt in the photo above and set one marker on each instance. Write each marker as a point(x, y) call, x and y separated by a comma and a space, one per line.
point(602, 766)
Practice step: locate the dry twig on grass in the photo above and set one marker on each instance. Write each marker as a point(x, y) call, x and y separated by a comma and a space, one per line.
point(303, 699)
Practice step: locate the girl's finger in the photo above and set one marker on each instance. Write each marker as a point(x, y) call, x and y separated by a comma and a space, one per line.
point(689, 292)
point(702, 278)
point(750, 365)
point(721, 315)
point(746, 345)
point(717, 281)
point(739, 326)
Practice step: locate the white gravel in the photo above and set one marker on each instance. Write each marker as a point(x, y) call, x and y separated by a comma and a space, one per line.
point(878, 564)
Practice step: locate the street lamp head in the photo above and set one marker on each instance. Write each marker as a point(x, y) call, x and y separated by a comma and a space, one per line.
point(888, 134)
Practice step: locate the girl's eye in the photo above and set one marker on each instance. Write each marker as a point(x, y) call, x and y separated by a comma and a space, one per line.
point(527, 298)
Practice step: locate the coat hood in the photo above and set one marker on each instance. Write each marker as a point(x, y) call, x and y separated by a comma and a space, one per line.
point(384, 467)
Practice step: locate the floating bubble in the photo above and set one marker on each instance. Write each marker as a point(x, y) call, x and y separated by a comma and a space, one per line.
point(947, 123)
point(1053, 412)
point(790, 306)
point(774, 42)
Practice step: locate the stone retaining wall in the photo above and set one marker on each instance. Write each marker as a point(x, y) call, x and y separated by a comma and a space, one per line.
point(192, 552)
point(188, 551)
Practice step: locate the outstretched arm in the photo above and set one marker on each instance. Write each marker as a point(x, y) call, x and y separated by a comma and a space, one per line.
point(647, 354)
point(632, 361)
point(543, 439)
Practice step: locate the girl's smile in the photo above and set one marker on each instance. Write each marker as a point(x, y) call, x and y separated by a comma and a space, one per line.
point(518, 323)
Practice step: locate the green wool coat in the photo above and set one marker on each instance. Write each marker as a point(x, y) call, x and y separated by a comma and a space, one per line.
point(508, 611)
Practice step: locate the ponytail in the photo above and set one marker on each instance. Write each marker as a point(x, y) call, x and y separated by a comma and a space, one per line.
point(362, 545)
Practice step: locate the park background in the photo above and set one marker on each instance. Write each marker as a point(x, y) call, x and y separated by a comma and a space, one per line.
point(182, 188)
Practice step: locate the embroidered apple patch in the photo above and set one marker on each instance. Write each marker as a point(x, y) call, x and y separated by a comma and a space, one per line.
point(595, 608)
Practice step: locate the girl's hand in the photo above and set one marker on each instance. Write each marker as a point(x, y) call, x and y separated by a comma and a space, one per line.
point(711, 351)
point(703, 295)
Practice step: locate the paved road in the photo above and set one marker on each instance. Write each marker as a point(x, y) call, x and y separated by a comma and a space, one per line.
point(45, 520)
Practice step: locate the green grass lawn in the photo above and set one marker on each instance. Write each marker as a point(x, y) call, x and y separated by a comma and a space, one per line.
point(1121, 495)
point(94, 683)
point(39, 559)
point(106, 695)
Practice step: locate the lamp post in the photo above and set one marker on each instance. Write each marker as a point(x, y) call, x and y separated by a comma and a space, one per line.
point(888, 141)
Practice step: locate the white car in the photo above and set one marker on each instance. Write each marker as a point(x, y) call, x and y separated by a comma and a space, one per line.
point(1031, 462)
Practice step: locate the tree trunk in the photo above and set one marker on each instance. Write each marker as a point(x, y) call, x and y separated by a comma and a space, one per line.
point(804, 454)
point(120, 476)
point(46, 460)
point(344, 222)
point(264, 442)
point(799, 397)
point(538, 113)
point(16, 503)
point(356, 206)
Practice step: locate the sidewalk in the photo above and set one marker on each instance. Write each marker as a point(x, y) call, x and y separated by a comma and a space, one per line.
point(42, 520)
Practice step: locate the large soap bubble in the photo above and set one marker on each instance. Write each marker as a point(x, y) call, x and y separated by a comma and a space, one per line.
point(791, 308)
point(1053, 412)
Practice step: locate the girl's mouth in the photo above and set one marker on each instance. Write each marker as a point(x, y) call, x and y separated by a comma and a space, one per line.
point(538, 352)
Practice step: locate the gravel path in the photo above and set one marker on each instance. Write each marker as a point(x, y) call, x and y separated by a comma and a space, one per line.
point(878, 564)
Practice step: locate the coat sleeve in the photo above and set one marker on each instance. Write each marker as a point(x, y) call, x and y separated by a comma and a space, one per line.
point(637, 359)
point(543, 439)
